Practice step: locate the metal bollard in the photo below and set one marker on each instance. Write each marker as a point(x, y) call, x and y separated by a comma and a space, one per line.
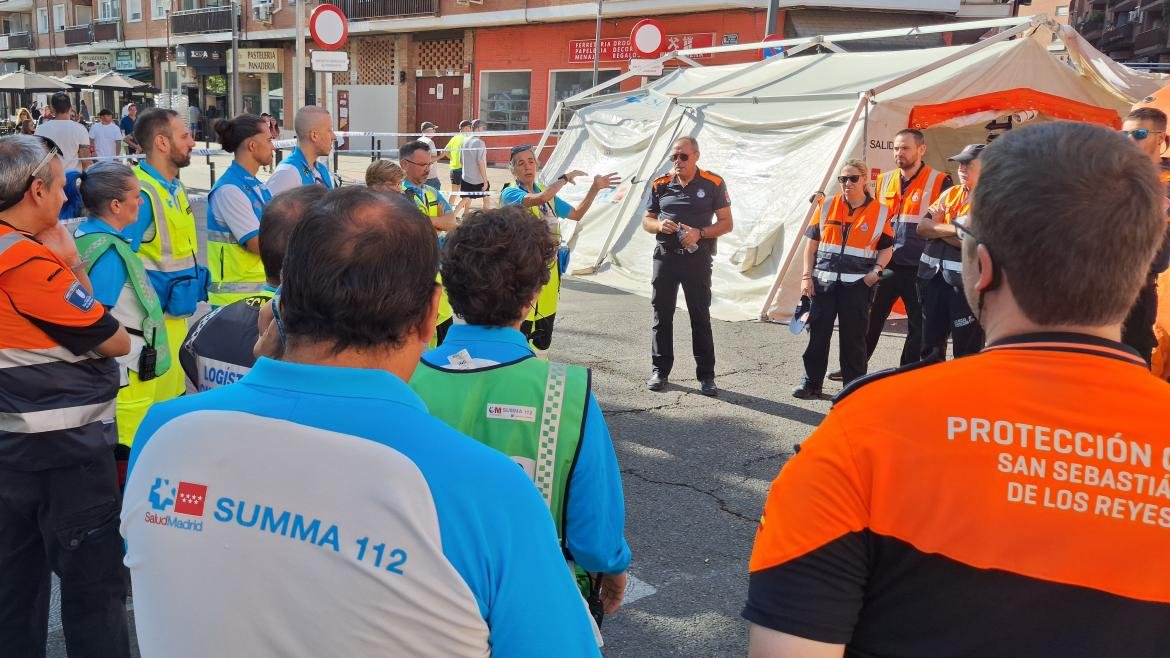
point(377, 151)
point(335, 155)
point(212, 165)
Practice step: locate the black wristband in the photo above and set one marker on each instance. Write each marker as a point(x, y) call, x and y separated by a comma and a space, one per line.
point(563, 177)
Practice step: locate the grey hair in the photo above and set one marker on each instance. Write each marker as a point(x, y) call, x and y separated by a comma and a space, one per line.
point(21, 154)
point(306, 120)
point(103, 183)
point(689, 140)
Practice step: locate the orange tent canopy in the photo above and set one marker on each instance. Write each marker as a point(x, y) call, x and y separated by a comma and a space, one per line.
point(1159, 100)
point(1010, 100)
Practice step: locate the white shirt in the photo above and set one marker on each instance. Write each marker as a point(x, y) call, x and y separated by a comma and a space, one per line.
point(105, 139)
point(70, 136)
point(430, 145)
point(286, 177)
point(233, 208)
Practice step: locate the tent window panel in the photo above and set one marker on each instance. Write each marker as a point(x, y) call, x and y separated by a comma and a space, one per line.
point(504, 99)
point(570, 83)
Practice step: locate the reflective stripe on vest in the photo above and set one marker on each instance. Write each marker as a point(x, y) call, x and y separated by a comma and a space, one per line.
point(235, 272)
point(428, 204)
point(169, 251)
point(56, 420)
point(842, 254)
point(908, 210)
point(546, 303)
point(938, 256)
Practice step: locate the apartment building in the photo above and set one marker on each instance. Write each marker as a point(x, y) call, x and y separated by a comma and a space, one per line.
point(506, 61)
point(1125, 30)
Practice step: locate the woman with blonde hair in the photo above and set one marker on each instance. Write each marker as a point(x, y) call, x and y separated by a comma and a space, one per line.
point(850, 242)
point(385, 176)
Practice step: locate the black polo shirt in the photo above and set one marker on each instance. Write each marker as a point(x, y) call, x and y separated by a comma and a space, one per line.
point(693, 204)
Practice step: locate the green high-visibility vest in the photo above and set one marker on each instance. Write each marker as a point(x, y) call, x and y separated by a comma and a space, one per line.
point(531, 410)
point(90, 248)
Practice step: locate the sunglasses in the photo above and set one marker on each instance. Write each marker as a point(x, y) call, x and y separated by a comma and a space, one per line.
point(1141, 133)
point(850, 179)
point(961, 225)
point(53, 151)
point(679, 157)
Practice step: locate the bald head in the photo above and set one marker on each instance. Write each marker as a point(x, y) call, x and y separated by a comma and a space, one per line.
point(314, 128)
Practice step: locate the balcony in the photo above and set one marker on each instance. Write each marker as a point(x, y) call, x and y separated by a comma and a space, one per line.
point(1153, 40)
point(18, 41)
point(107, 29)
point(16, 5)
point(78, 35)
point(1091, 29)
point(359, 10)
point(1117, 37)
point(202, 21)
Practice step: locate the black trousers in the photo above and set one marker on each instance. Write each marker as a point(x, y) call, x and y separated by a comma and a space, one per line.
point(66, 520)
point(945, 312)
point(539, 332)
point(848, 304)
point(1138, 329)
point(693, 273)
point(904, 284)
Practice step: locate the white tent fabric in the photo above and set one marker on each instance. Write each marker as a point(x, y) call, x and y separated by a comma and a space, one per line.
point(774, 130)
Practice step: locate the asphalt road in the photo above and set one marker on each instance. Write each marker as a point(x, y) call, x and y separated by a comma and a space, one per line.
point(695, 469)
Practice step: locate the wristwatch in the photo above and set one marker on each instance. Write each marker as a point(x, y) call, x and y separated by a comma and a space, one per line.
point(563, 177)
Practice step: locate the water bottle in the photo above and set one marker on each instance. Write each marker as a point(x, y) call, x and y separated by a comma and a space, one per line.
point(681, 233)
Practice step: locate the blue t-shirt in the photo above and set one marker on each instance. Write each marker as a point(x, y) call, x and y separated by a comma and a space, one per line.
point(127, 125)
point(513, 195)
point(328, 500)
point(108, 275)
point(595, 518)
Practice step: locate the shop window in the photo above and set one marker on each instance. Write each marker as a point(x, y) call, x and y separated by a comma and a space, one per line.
point(134, 9)
point(504, 99)
point(43, 20)
point(563, 84)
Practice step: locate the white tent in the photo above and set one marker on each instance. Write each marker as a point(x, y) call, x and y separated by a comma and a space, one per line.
point(777, 129)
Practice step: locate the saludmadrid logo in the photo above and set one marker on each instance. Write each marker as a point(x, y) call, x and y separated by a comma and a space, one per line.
point(185, 500)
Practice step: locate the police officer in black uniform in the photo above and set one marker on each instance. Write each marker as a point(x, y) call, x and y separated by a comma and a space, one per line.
point(689, 208)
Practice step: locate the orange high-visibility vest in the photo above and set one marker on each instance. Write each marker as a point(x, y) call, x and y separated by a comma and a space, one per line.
point(848, 245)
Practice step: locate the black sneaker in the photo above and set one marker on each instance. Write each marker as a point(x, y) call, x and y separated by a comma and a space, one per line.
point(708, 388)
point(657, 381)
point(806, 392)
point(836, 376)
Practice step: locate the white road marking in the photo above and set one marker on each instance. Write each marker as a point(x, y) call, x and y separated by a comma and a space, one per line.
point(637, 589)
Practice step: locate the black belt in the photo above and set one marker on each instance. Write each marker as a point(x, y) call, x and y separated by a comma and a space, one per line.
point(135, 332)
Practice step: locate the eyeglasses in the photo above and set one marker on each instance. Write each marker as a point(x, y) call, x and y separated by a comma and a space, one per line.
point(417, 164)
point(679, 157)
point(961, 225)
point(53, 151)
point(276, 317)
point(850, 179)
point(1141, 133)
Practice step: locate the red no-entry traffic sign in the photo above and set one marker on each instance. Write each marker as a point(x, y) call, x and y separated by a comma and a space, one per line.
point(329, 27)
point(648, 38)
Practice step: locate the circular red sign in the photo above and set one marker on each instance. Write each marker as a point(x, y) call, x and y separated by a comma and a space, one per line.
point(648, 38)
point(329, 27)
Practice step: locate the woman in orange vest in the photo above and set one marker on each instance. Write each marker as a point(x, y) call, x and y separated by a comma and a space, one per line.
point(850, 242)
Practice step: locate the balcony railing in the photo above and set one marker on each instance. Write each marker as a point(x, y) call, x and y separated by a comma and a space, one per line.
point(107, 29)
point(1152, 38)
point(18, 41)
point(199, 21)
point(76, 35)
point(1118, 36)
point(357, 10)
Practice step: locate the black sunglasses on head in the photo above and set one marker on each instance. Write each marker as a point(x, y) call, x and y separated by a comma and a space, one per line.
point(852, 179)
point(680, 157)
point(53, 151)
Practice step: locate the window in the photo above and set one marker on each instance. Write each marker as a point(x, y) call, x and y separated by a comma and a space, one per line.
point(59, 18)
point(134, 8)
point(504, 99)
point(563, 84)
point(108, 10)
point(159, 9)
point(43, 20)
point(1062, 11)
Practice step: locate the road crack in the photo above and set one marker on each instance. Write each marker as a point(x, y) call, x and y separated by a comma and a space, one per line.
point(723, 505)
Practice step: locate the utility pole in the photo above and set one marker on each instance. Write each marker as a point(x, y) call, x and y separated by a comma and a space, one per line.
point(772, 23)
point(299, 63)
point(597, 43)
point(235, 104)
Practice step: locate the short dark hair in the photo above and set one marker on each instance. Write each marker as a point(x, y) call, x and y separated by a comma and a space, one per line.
point(919, 138)
point(464, 124)
point(150, 123)
point(410, 148)
point(60, 103)
point(234, 132)
point(1044, 224)
point(494, 264)
point(1151, 114)
point(280, 217)
point(105, 113)
point(359, 271)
